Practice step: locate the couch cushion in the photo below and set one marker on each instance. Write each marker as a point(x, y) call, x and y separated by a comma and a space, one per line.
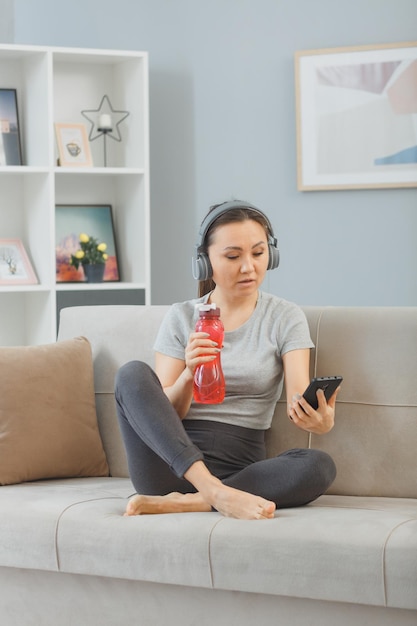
point(48, 423)
point(94, 538)
point(29, 530)
point(77, 526)
point(339, 548)
point(374, 440)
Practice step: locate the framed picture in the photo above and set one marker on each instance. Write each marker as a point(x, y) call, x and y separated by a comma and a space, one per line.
point(73, 146)
point(10, 148)
point(93, 221)
point(15, 267)
point(357, 117)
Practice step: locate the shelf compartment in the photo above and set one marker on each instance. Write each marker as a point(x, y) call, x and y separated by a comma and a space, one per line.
point(27, 318)
point(25, 213)
point(128, 196)
point(79, 83)
point(28, 71)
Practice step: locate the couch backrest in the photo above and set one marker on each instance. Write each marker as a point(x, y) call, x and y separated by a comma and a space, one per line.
point(374, 441)
point(117, 334)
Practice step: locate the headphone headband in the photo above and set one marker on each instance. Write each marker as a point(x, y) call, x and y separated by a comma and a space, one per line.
point(201, 263)
point(224, 208)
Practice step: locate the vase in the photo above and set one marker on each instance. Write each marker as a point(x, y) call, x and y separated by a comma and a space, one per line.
point(94, 272)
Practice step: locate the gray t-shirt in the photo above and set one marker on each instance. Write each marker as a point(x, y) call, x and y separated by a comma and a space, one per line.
point(251, 357)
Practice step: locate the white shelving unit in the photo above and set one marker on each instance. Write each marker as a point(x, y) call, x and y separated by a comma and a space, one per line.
point(53, 86)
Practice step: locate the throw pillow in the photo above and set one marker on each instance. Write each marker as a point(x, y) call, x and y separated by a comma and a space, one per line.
point(48, 421)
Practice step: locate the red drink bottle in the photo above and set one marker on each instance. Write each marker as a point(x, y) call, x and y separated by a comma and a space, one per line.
point(209, 386)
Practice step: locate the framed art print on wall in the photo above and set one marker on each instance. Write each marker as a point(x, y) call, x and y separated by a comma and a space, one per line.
point(10, 147)
point(356, 114)
point(94, 221)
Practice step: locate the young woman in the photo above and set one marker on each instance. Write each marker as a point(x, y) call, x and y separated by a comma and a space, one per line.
point(185, 456)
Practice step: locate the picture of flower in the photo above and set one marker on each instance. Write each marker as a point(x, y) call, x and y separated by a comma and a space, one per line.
point(91, 252)
point(92, 257)
point(85, 237)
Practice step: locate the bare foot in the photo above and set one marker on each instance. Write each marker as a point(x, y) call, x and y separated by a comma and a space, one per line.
point(227, 500)
point(234, 503)
point(171, 503)
point(211, 492)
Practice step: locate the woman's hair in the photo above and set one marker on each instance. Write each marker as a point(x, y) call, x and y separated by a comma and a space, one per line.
point(228, 217)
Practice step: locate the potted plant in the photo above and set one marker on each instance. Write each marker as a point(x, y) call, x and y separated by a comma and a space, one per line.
point(92, 257)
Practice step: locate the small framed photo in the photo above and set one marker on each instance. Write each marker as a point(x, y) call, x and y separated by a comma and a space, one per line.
point(356, 117)
point(73, 146)
point(94, 222)
point(15, 267)
point(10, 147)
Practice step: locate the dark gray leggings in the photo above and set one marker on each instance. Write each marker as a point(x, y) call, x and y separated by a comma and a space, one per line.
point(160, 448)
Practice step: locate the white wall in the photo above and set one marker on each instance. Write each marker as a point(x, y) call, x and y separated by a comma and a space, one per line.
point(223, 125)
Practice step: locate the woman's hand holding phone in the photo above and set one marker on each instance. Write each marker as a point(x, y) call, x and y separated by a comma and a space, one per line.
point(314, 411)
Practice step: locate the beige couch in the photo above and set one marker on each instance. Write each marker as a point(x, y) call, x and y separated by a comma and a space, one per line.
point(69, 557)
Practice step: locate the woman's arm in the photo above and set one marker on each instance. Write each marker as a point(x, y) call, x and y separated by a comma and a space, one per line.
point(296, 372)
point(176, 381)
point(177, 376)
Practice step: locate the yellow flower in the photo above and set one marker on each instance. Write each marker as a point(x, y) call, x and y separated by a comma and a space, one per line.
point(91, 252)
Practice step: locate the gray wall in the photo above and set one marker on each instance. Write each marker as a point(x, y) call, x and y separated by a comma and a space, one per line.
point(6, 21)
point(223, 125)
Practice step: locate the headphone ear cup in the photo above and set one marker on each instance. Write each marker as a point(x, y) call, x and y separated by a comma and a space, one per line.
point(273, 257)
point(202, 269)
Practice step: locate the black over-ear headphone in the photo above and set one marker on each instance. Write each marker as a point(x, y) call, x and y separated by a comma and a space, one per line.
point(202, 269)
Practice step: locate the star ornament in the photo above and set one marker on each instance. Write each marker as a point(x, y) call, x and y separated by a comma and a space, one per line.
point(105, 120)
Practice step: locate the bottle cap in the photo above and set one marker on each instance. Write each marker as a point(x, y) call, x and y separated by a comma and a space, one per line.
point(208, 309)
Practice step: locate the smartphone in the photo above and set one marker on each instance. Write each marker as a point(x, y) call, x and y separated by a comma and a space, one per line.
point(329, 384)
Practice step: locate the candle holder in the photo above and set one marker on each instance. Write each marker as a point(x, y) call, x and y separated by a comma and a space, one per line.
point(102, 124)
point(104, 132)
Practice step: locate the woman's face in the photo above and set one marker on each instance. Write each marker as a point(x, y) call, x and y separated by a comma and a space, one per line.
point(239, 256)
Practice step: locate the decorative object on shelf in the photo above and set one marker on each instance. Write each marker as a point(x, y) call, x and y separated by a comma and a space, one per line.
point(77, 254)
point(356, 110)
point(15, 267)
point(73, 146)
point(105, 122)
point(92, 257)
point(94, 272)
point(10, 148)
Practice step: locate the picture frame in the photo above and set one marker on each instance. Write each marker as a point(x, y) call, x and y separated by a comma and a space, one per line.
point(10, 145)
point(356, 117)
point(73, 145)
point(15, 266)
point(95, 220)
